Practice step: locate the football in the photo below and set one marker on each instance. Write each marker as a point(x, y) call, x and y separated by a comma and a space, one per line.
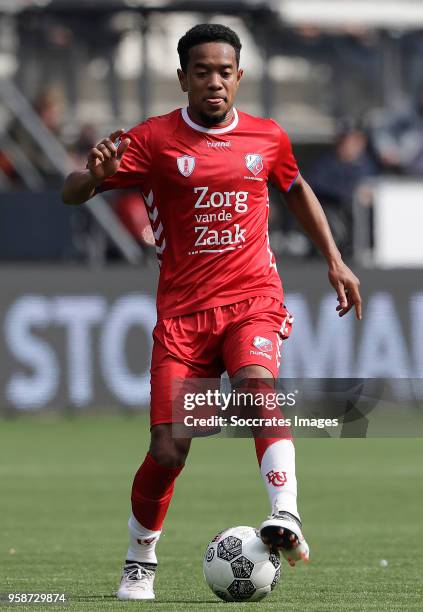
point(239, 567)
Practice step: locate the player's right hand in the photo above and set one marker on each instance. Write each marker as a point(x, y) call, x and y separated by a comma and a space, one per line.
point(105, 158)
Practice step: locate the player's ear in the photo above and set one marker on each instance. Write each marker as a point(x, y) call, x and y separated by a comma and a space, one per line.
point(239, 74)
point(182, 80)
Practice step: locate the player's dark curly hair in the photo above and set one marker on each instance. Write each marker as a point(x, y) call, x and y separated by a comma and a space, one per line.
point(203, 33)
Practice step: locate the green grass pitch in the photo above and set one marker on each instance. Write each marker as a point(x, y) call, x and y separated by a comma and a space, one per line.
point(64, 502)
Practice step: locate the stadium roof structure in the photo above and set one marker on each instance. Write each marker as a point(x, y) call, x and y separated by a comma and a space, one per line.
point(216, 6)
point(378, 14)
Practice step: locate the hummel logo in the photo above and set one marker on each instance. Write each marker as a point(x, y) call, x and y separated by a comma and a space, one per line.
point(220, 144)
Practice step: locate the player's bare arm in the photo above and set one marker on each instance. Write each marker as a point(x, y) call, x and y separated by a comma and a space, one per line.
point(305, 206)
point(103, 161)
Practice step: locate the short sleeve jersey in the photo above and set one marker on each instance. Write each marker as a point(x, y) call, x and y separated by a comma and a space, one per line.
point(207, 199)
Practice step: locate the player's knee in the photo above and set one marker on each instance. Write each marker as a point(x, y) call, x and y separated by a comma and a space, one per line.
point(173, 456)
point(166, 450)
point(247, 375)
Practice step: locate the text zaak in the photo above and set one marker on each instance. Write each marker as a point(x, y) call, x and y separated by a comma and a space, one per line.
point(209, 237)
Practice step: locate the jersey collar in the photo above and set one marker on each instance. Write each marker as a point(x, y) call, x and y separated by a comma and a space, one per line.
point(201, 128)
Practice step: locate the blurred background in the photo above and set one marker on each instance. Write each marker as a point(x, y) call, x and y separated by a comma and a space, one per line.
point(345, 79)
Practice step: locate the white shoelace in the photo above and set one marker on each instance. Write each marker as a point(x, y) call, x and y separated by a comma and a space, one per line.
point(135, 573)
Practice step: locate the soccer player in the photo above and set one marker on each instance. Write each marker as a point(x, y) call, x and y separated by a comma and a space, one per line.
point(203, 172)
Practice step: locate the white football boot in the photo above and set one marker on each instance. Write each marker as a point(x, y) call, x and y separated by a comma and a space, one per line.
point(282, 532)
point(137, 581)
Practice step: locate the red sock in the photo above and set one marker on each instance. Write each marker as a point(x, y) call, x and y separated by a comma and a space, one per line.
point(152, 491)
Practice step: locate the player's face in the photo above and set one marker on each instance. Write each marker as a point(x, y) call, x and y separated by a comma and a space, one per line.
point(211, 81)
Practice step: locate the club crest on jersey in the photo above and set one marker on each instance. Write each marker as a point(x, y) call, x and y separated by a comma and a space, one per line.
point(263, 344)
point(186, 165)
point(254, 163)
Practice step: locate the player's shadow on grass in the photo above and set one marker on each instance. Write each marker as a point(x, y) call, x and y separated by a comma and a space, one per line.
point(188, 601)
point(91, 597)
point(88, 598)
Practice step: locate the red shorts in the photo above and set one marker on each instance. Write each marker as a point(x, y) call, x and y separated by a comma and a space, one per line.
point(206, 343)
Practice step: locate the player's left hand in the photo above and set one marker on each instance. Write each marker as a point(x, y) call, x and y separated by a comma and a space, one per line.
point(346, 285)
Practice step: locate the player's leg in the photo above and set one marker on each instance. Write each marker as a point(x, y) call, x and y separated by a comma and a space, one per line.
point(152, 491)
point(276, 459)
point(256, 332)
point(154, 481)
point(275, 450)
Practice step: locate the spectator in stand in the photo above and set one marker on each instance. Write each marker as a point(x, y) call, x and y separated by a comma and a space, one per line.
point(397, 139)
point(86, 139)
point(8, 174)
point(339, 176)
point(49, 106)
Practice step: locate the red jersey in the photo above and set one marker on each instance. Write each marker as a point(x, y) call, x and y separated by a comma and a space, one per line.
point(206, 195)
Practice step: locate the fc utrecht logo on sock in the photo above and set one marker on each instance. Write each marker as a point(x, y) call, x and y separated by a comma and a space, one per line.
point(146, 541)
point(277, 479)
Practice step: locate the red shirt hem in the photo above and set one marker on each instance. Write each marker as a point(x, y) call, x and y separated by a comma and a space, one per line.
point(219, 301)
